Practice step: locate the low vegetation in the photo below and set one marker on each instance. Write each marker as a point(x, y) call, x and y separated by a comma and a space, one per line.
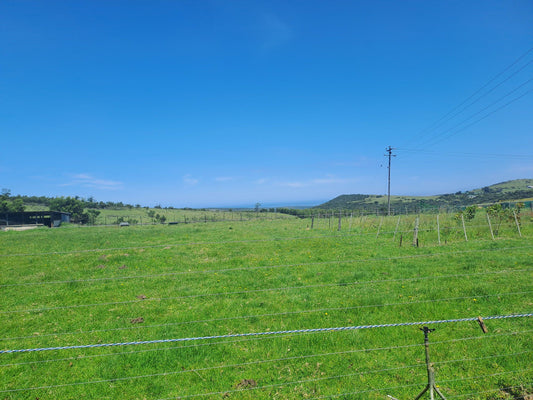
point(75, 286)
point(519, 190)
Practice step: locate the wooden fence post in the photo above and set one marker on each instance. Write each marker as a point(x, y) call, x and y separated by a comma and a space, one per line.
point(517, 224)
point(379, 227)
point(438, 228)
point(396, 230)
point(340, 218)
point(464, 228)
point(415, 233)
point(490, 226)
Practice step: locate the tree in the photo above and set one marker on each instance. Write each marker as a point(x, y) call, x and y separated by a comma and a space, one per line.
point(10, 204)
point(468, 213)
point(70, 205)
point(92, 214)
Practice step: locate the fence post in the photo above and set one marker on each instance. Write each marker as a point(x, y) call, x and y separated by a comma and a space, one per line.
point(415, 233)
point(312, 221)
point(340, 219)
point(438, 228)
point(431, 386)
point(351, 220)
point(379, 227)
point(464, 228)
point(490, 226)
point(396, 230)
point(517, 224)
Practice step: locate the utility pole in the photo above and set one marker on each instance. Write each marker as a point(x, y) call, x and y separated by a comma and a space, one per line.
point(390, 155)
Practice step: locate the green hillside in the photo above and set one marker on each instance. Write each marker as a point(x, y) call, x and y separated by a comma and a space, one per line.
point(514, 190)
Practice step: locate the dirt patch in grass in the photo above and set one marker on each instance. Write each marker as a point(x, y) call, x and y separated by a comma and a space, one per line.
point(246, 384)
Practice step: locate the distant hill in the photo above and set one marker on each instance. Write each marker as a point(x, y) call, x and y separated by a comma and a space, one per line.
point(505, 191)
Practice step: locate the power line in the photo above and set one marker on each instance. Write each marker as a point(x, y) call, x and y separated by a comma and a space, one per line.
point(390, 155)
point(449, 115)
point(469, 155)
point(455, 129)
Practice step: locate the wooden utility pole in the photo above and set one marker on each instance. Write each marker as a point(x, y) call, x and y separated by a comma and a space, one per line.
point(390, 155)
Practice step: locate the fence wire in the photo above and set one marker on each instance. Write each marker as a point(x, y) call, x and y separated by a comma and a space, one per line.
point(240, 340)
point(240, 292)
point(260, 267)
point(251, 334)
point(78, 332)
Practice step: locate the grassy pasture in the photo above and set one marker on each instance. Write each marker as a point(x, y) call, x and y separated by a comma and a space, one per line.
point(76, 286)
point(140, 215)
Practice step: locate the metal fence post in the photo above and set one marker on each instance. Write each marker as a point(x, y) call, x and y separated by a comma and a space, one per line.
point(431, 386)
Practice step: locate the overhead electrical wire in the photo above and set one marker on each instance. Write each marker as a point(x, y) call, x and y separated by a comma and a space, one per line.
point(427, 136)
point(457, 129)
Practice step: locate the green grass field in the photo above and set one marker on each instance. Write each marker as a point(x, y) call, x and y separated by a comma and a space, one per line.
point(74, 286)
point(140, 215)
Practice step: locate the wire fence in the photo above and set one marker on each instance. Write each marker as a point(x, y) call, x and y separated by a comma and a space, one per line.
point(419, 230)
point(307, 381)
point(250, 334)
point(199, 360)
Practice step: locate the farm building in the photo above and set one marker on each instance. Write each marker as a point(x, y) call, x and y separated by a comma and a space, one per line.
point(47, 218)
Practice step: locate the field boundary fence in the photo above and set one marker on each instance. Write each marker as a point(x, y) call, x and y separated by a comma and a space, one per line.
point(446, 228)
point(266, 333)
point(252, 335)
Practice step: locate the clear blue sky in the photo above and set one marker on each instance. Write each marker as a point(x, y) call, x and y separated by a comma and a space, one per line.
point(226, 103)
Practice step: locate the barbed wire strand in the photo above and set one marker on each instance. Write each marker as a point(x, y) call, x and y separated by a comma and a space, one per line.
point(411, 302)
point(196, 371)
point(250, 334)
point(238, 269)
point(287, 288)
point(292, 383)
point(411, 385)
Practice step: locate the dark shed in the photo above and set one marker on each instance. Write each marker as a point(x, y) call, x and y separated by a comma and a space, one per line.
point(48, 218)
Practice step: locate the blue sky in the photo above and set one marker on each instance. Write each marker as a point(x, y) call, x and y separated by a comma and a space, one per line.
point(227, 103)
